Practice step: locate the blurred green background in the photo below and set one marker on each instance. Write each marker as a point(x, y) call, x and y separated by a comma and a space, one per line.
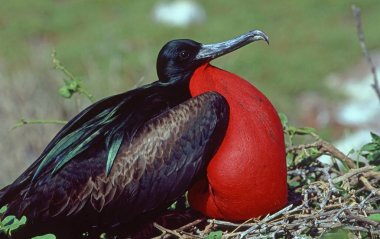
point(112, 46)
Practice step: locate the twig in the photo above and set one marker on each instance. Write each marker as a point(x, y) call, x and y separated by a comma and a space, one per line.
point(191, 224)
point(361, 219)
point(361, 229)
point(240, 226)
point(372, 174)
point(23, 122)
point(166, 230)
point(331, 188)
point(209, 227)
point(365, 200)
point(182, 229)
point(352, 173)
point(266, 219)
point(325, 147)
point(369, 186)
point(375, 85)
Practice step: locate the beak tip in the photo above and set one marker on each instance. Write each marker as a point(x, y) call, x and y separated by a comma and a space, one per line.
point(259, 35)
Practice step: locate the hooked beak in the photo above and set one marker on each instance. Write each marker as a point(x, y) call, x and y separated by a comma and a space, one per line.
point(212, 51)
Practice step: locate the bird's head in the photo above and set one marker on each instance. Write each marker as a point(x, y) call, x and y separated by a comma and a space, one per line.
point(178, 59)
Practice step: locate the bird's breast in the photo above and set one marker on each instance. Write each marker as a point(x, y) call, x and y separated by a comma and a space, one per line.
point(247, 176)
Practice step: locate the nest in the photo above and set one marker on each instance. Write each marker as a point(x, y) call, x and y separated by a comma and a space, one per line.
point(338, 198)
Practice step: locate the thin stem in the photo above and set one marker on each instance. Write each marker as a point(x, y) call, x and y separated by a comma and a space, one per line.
point(23, 122)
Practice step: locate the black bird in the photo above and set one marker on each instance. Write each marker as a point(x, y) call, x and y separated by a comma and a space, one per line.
point(128, 156)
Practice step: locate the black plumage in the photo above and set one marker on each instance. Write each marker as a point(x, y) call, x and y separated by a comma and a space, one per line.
point(126, 156)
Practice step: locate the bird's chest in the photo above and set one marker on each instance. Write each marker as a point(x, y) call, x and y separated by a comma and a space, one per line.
point(252, 154)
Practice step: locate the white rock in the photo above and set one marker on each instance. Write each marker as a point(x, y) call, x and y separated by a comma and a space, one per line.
point(362, 106)
point(179, 13)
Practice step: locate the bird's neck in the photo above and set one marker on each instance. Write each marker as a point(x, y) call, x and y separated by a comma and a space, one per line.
point(179, 90)
point(210, 78)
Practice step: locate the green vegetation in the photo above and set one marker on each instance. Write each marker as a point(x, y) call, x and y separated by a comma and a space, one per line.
point(10, 223)
point(371, 150)
point(113, 47)
point(71, 85)
point(309, 39)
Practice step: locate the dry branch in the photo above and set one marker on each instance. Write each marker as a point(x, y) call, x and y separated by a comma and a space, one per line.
point(375, 85)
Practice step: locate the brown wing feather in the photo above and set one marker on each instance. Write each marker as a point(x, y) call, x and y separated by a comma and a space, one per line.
point(152, 169)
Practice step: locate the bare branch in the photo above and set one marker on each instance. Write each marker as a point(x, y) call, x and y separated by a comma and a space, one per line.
point(166, 231)
point(352, 173)
point(369, 186)
point(375, 85)
point(23, 122)
point(325, 148)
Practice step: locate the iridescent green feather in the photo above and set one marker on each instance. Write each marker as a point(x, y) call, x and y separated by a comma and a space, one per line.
point(62, 145)
point(113, 146)
point(75, 151)
point(80, 139)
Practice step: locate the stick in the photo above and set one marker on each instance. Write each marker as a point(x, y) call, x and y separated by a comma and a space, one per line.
point(325, 147)
point(25, 122)
point(352, 173)
point(375, 85)
point(166, 230)
point(369, 186)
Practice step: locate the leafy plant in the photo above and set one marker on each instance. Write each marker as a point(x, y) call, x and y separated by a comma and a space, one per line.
point(215, 235)
point(371, 150)
point(337, 234)
point(72, 83)
point(290, 134)
point(375, 217)
point(47, 236)
point(10, 222)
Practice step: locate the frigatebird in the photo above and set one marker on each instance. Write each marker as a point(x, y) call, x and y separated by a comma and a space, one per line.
point(131, 155)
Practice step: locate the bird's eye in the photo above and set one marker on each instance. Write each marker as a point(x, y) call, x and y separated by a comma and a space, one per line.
point(184, 55)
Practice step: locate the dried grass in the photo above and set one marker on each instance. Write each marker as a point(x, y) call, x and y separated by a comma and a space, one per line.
point(28, 93)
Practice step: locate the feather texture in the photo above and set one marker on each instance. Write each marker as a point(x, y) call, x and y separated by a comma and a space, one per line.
point(150, 169)
point(113, 144)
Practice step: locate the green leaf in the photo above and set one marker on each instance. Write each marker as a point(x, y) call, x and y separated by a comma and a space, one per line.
point(289, 159)
point(375, 137)
point(3, 209)
point(351, 152)
point(337, 234)
point(215, 235)
point(73, 85)
point(8, 220)
point(370, 147)
point(47, 236)
point(294, 184)
point(65, 92)
point(305, 130)
point(375, 157)
point(283, 118)
point(11, 223)
point(374, 217)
